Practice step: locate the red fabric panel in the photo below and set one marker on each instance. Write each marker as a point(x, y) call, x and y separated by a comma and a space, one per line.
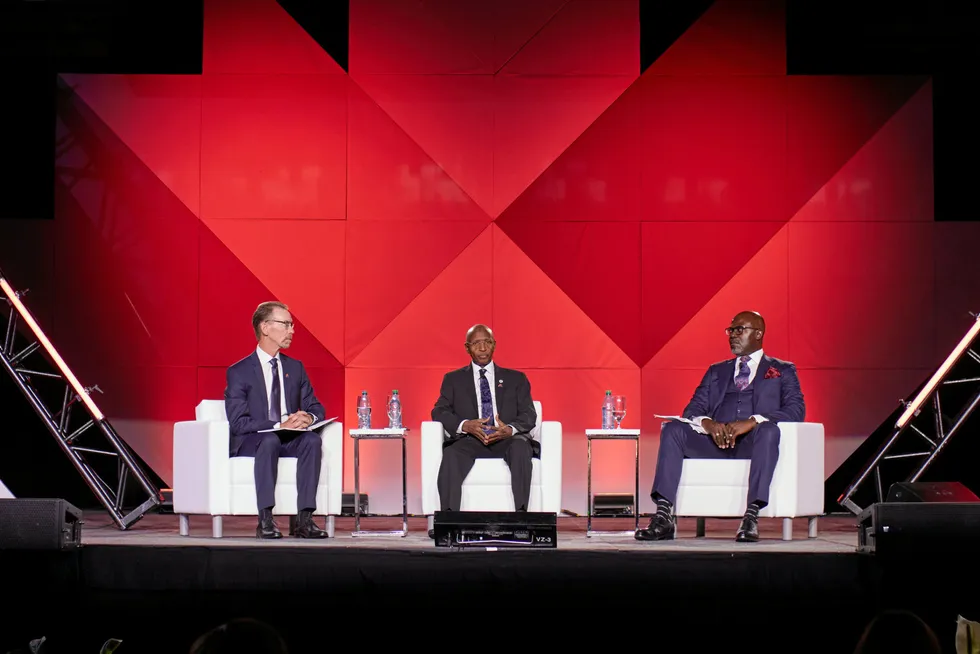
point(295, 162)
point(259, 36)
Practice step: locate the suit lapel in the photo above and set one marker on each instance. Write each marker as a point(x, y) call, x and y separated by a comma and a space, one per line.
point(257, 367)
point(287, 389)
point(472, 389)
point(500, 381)
point(760, 375)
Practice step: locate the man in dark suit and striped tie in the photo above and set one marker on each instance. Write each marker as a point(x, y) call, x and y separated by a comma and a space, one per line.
point(486, 412)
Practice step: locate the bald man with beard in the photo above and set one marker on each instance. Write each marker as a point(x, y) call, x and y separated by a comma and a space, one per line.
point(736, 410)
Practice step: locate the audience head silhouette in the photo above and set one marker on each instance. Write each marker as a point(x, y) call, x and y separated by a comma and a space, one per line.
point(241, 636)
point(898, 632)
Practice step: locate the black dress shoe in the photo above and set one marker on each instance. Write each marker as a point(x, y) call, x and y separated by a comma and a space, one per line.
point(304, 527)
point(660, 528)
point(432, 534)
point(748, 530)
point(267, 526)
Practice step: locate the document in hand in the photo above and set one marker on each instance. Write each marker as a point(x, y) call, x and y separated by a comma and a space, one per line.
point(313, 427)
point(690, 422)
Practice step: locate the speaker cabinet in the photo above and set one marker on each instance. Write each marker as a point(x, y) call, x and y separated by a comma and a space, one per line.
point(937, 491)
point(39, 524)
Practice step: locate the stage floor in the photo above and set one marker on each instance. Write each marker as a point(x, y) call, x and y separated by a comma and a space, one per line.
point(836, 534)
point(158, 590)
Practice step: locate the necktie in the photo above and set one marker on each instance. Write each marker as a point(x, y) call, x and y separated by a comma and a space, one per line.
point(275, 402)
point(742, 378)
point(486, 401)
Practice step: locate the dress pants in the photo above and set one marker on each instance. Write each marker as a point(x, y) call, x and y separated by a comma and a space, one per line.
point(267, 447)
point(459, 456)
point(679, 441)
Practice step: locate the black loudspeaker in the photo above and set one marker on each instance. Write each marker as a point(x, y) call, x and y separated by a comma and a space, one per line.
point(937, 491)
point(39, 524)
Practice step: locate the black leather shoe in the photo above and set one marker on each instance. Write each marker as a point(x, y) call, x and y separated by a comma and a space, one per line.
point(432, 534)
point(267, 526)
point(305, 527)
point(660, 528)
point(748, 530)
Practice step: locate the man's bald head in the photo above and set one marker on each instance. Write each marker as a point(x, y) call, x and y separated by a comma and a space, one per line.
point(480, 344)
point(746, 332)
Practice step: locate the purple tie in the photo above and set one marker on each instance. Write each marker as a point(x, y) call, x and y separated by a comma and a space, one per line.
point(742, 378)
point(486, 401)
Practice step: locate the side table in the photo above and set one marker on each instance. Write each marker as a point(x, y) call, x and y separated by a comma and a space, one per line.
point(613, 435)
point(378, 434)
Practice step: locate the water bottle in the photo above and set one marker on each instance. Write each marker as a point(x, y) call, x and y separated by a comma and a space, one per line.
point(394, 411)
point(363, 411)
point(608, 422)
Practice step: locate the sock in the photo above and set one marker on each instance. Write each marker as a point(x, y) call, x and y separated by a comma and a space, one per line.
point(753, 509)
point(664, 508)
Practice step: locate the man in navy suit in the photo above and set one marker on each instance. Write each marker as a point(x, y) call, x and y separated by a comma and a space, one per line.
point(268, 390)
point(486, 412)
point(736, 409)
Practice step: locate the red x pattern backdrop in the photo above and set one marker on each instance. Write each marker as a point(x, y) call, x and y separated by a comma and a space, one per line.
point(506, 163)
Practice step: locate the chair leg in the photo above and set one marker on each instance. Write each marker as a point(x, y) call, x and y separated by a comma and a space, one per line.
point(812, 527)
point(787, 529)
point(700, 528)
point(216, 526)
point(185, 525)
point(330, 526)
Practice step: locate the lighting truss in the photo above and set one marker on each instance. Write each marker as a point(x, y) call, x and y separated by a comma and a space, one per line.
point(928, 422)
point(81, 429)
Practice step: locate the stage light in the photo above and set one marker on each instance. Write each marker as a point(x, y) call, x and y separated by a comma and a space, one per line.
point(53, 353)
point(913, 407)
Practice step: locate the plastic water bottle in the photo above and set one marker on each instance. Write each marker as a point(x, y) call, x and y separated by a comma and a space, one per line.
point(394, 411)
point(608, 422)
point(363, 411)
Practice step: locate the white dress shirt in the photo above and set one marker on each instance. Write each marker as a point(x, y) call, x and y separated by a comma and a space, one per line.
point(754, 360)
point(264, 360)
point(479, 400)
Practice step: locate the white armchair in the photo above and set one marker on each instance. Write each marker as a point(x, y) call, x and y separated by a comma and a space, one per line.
point(717, 488)
point(208, 481)
point(487, 487)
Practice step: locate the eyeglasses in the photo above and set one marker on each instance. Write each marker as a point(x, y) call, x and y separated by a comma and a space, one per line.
point(288, 324)
point(738, 330)
point(481, 344)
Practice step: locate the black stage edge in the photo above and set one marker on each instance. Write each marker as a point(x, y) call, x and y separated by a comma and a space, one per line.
point(160, 598)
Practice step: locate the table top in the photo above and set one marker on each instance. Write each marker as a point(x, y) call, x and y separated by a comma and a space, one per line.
point(385, 432)
point(612, 434)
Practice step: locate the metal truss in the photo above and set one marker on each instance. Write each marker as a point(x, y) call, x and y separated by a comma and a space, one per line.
point(81, 429)
point(927, 423)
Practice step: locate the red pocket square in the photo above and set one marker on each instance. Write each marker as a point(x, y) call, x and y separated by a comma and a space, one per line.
point(772, 373)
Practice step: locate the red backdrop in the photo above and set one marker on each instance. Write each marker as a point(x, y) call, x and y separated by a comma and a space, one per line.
point(507, 163)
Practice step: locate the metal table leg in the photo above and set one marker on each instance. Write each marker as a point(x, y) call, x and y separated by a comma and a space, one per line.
point(404, 489)
point(636, 494)
point(588, 499)
point(357, 485)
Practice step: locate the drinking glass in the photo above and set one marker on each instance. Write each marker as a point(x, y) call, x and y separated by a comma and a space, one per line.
point(619, 409)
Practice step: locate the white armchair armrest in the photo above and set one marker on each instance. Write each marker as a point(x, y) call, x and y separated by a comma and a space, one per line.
point(332, 465)
point(201, 470)
point(432, 437)
point(551, 458)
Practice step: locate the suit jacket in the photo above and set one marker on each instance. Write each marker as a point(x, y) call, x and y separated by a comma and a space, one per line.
point(247, 403)
point(778, 398)
point(457, 402)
